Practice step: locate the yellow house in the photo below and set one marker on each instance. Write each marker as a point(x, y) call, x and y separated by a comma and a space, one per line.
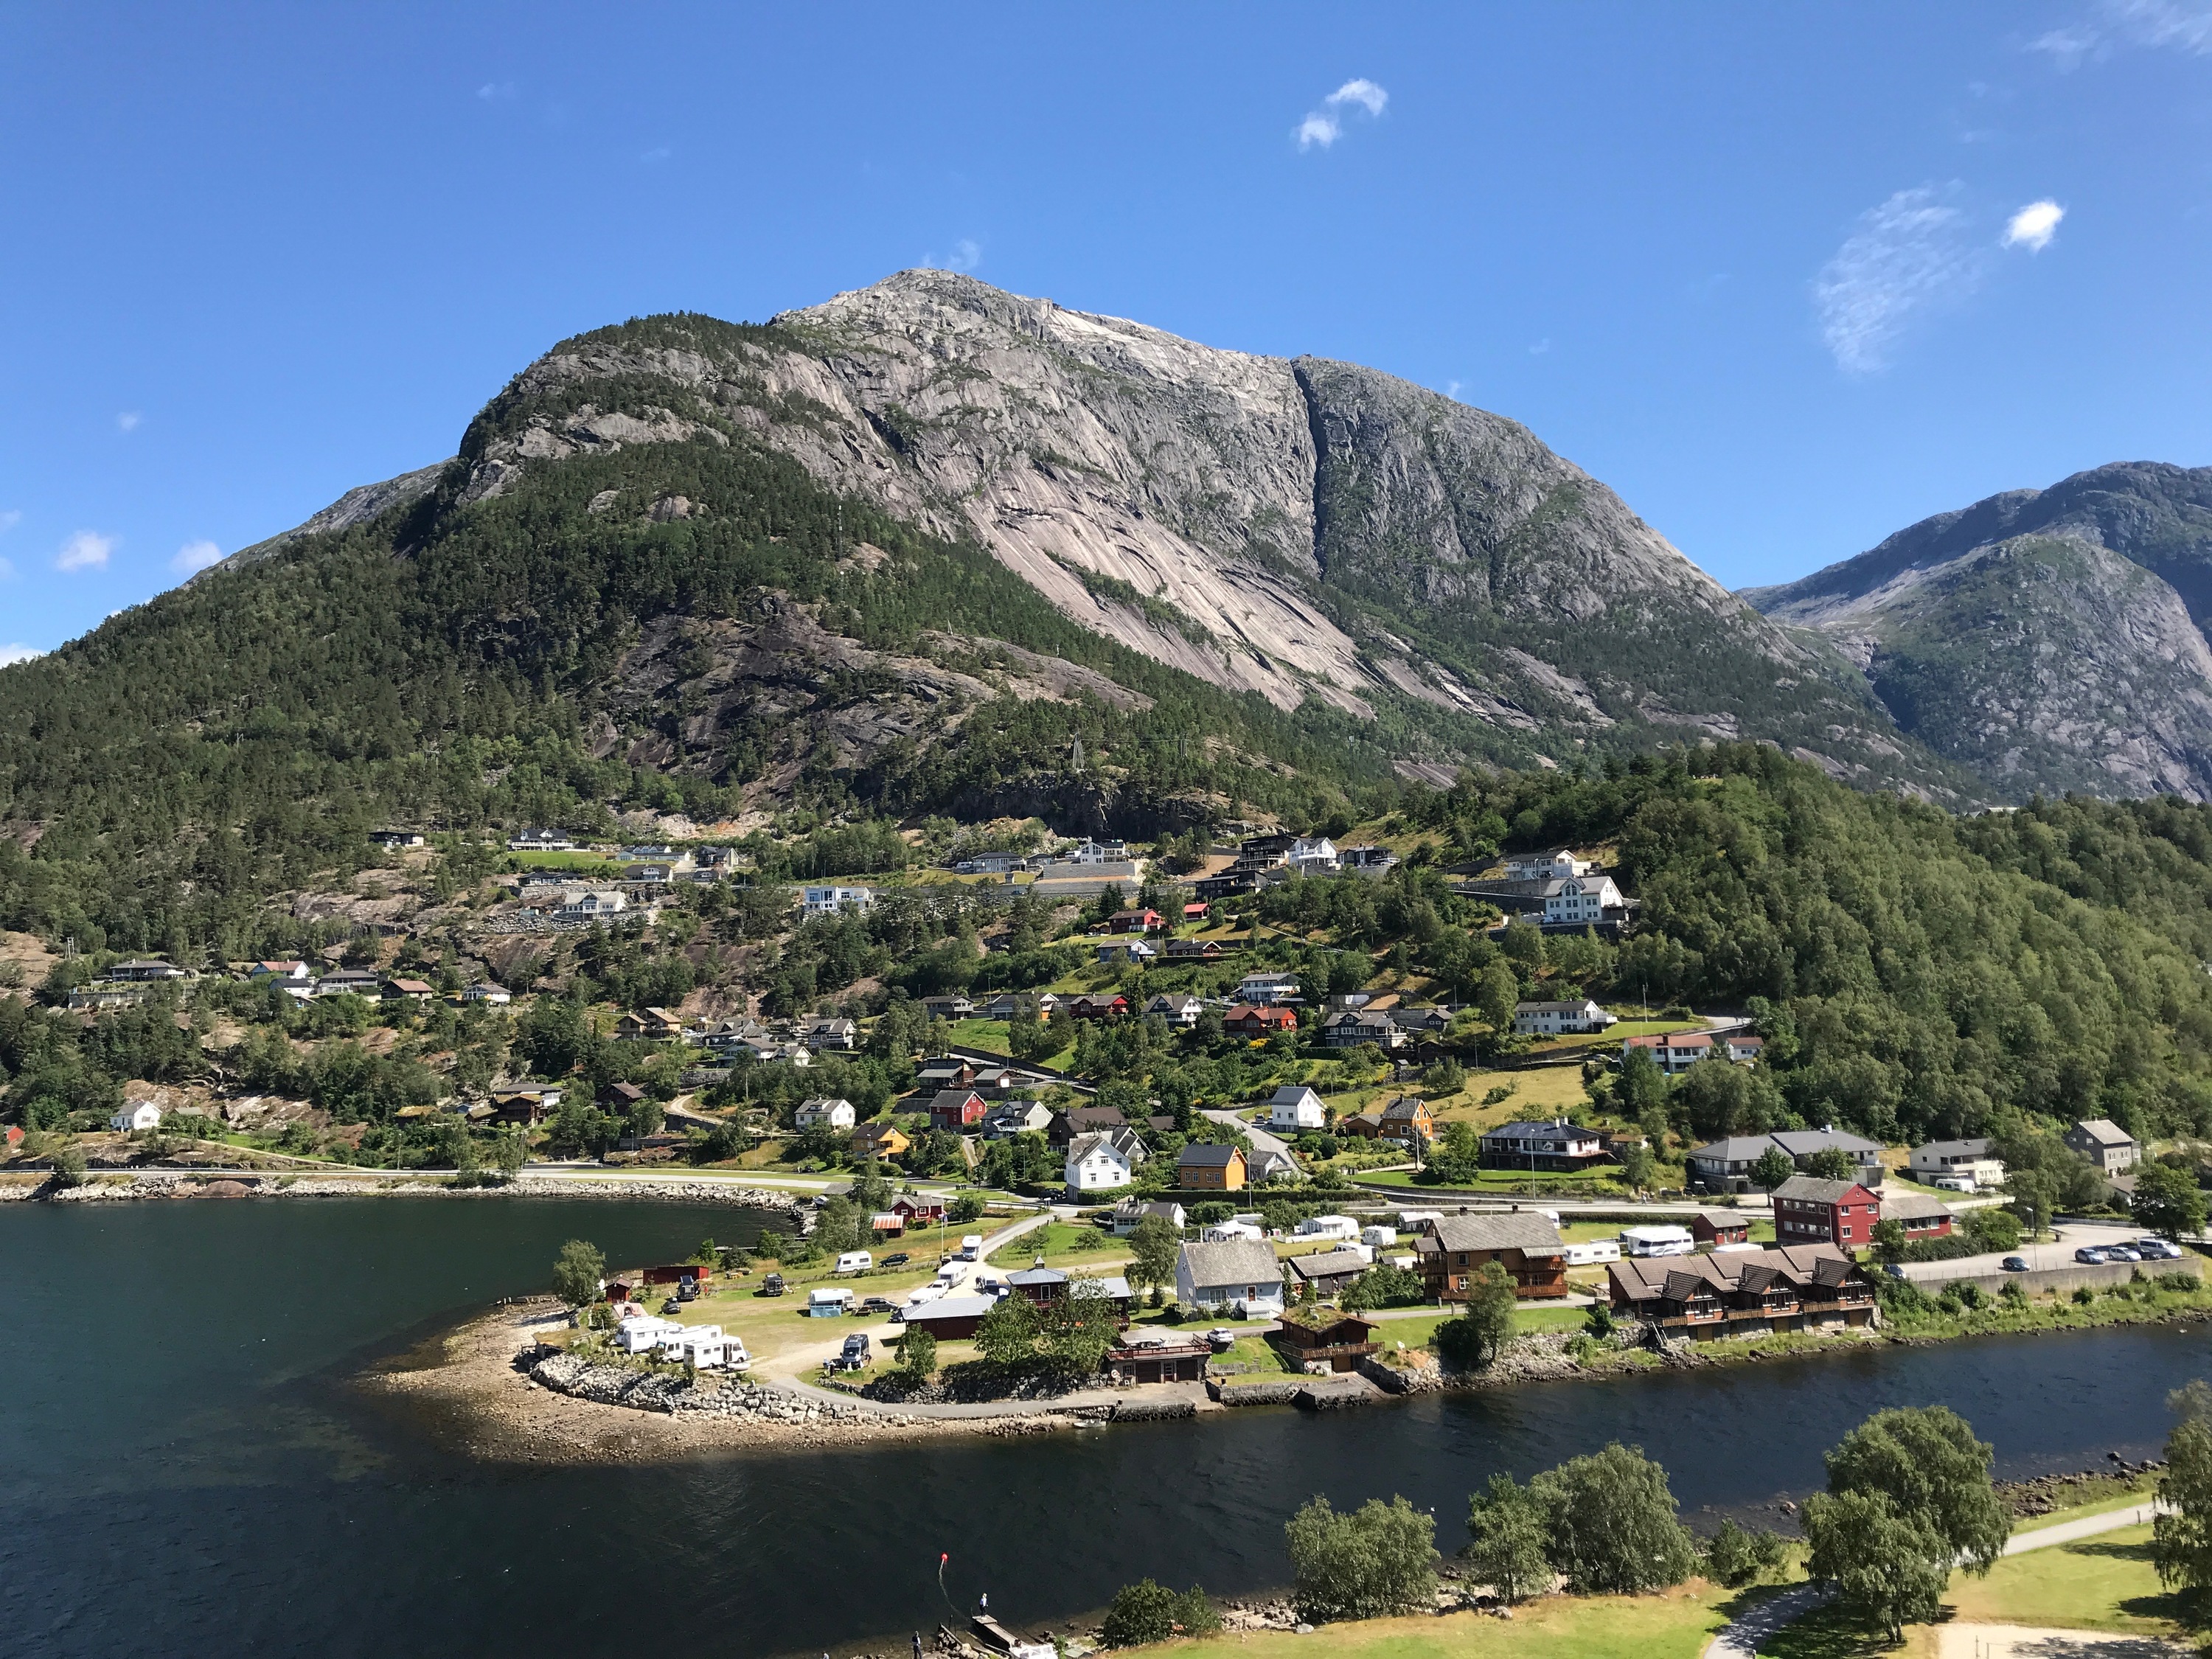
point(884, 1140)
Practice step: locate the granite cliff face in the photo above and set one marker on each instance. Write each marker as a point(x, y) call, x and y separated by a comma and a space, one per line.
point(2049, 639)
point(1297, 528)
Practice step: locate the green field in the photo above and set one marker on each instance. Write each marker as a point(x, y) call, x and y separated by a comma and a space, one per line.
point(1672, 1626)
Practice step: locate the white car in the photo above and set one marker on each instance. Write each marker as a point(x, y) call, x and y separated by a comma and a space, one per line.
point(2158, 1249)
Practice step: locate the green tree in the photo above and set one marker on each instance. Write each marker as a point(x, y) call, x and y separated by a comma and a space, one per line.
point(2181, 1535)
point(1497, 995)
point(1154, 1246)
point(1074, 1332)
point(1639, 1168)
point(837, 1226)
point(1887, 1567)
point(1473, 1340)
point(509, 1149)
point(2168, 1202)
point(1925, 1461)
point(1993, 1229)
point(2034, 1198)
point(1831, 1163)
point(578, 1272)
point(1642, 1086)
point(968, 1207)
point(1612, 1524)
point(1457, 1153)
point(917, 1352)
point(1739, 1556)
point(1510, 1547)
point(1889, 1240)
point(1007, 1335)
point(1771, 1168)
point(1378, 1560)
point(1145, 1613)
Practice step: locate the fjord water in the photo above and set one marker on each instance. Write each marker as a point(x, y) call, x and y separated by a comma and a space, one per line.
point(185, 1470)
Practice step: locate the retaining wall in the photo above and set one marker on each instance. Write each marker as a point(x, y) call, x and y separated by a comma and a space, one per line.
point(1931, 1276)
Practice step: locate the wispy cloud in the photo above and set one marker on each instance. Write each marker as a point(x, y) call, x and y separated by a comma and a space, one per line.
point(11, 654)
point(128, 420)
point(2034, 225)
point(86, 550)
point(7, 570)
point(195, 556)
point(1451, 388)
point(1541, 347)
point(8, 520)
point(967, 254)
point(1908, 257)
point(657, 153)
point(1325, 126)
point(497, 92)
point(2158, 25)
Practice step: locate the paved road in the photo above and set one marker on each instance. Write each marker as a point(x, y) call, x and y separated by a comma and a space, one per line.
point(2066, 1531)
point(1263, 1141)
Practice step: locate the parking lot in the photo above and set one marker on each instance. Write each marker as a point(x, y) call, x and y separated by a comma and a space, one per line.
point(2072, 1235)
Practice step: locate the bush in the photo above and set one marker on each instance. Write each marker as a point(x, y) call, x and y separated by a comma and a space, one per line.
point(2178, 1281)
point(1380, 1559)
point(2084, 1294)
point(1613, 1523)
point(1145, 1613)
point(1740, 1556)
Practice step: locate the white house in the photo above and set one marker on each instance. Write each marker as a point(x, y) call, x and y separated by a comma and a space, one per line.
point(1232, 1273)
point(1554, 1019)
point(829, 901)
point(541, 841)
point(1558, 865)
point(1332, 1227)
point(135, 1115)
point(1294, 1107)
point(497, 996)
point(1267, 988)
point(1100, 852)
point(1183, 1011)
point(1314, 856)
point(1095, 1165)
point(600, 902)
point(841, 1034)
point(827, 1113)
point(1576, 899)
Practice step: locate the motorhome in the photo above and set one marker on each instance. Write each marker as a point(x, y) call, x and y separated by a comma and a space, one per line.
point(1592, 1251)
point(641, 1332)
point(855, 1261)
point(1658, 1241)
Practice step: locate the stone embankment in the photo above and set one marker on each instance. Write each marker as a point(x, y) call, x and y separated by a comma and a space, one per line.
point(139, 1184)
point(676, 1395)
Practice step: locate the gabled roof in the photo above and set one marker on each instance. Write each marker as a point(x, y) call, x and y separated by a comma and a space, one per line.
point(1328, 1264)
point(1231, 1262)
point(1522, 1129)
point(1803, 1143)
point(2105, 1131)
point(1531, 1235)
point(1205, 1155)
point(1676, 1277)
point(1404, 1110)
point(1911, 1207)
point(1812, 1190)
point(1979, 1148)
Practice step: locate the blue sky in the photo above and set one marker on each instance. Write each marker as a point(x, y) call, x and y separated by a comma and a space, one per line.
point(1787, 277)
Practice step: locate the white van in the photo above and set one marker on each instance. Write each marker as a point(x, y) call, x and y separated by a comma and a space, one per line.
point(1658, 1241)
point(643, 1331)
point(1590, 1252)
point(855, 1261)
point(971, 1246)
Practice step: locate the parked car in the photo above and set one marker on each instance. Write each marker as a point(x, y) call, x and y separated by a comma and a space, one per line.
point(1892, 1269)
point(987, 1285)
point(2090, 1254)
point(2158, 1249)
point(2122, 1253)
point(898, 1259)
point(671, 1306)
point(1221, 1337)
point(858, 1351)
point(2014, 1264)
point(875, 1305)
point(772, 1285)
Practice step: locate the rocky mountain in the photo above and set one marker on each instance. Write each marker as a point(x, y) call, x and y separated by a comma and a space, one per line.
point(2047, 639)
point(1297, 528)
point(927, 548)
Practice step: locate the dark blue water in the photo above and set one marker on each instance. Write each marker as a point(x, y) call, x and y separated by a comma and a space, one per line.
point(183, 1469)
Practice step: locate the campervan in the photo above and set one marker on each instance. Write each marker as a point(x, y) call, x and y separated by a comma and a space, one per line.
point(1592, 1251)
point(855, 1261)
point(637, 1334)
point(1658, 1241)
point(971, 1246)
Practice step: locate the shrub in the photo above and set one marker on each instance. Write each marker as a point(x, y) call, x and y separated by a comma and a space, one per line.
point(2178, 1281)
point(1145, 1613)
point(1509, 1550)
point(1741, 1556)
point(2084, 1294)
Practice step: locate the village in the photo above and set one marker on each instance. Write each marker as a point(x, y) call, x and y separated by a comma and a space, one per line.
point(1228, 1158)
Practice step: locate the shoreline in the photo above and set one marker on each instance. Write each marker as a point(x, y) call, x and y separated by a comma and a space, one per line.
point(149, 1186)
point(473, 1386)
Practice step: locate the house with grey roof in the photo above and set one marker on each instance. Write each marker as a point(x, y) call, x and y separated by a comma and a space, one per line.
point(2105, 1143)
point(1450, 1250)
point(1232, 1273)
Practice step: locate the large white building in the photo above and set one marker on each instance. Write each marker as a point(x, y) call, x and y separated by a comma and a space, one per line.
point(1296, 1109)
point(1557, 1018)
point(829, 901)
point(1575, 899)
point(1558, 864)
point(1096, 1164)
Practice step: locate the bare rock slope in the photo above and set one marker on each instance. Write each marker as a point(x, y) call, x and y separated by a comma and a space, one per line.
point(2049, 639)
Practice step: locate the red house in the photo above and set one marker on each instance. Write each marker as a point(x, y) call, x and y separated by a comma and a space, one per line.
point(1810, 1211)
point(1137, 921)
point(1198, 912)
point(1921, 1216)
point(957, 1109)
point(1259, 1019)
point(1110, 1006)
point(915, 1207)
point(1719, 1227)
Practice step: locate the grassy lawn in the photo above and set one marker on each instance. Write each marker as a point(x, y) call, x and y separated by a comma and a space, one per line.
point(1672, 1626)
point(1502, 1182)
point(1543, 1093)
point(1065, 1245)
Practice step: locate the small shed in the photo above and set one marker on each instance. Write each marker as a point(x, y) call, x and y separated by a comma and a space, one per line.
point(1720, 1227)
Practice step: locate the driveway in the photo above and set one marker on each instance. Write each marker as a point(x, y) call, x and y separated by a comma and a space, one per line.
point(1263, 1141)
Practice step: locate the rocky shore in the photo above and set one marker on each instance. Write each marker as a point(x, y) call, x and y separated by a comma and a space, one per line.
point(140, 1185)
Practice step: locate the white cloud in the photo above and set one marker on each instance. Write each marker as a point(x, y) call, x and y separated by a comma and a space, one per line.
point(8, 520)
point(1324, 126)
point(657, 153)
point(967, 254)
point(1541, 347)
point(2034, 226)
point(128, 420)
point(194, 556)
point(86, 550)
point(1907, 256)
point(11, 654)
point(2178, 25)
point(1365, 93)
point(7, 570)
point(496, 92)
point(1451, 388)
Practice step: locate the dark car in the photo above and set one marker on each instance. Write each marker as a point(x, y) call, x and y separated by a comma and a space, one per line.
point(772, 1285)
point(874, 1304)
point(896, 1258)
point(2014, 1264)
